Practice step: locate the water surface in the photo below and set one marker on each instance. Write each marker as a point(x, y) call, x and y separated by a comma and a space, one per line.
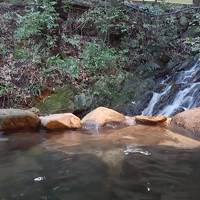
point(98, 166)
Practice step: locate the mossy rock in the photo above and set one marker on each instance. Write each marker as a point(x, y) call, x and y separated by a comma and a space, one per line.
point(84, 100)
point(119, 90)
point(59, 102)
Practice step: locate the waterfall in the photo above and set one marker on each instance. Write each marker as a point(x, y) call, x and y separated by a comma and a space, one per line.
point(180, 92)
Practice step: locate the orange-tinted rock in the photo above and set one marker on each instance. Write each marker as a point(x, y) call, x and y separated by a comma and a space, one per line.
point(167, 123)
point(129, 121)
point(102, 116)
point(150, 120)
point(188, 120)
point(16, 119)
point(61, 121)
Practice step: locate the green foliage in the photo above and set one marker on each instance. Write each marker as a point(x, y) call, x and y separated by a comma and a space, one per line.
point(106, 20)
point(35, 89)
point(66, 6)
point(147, 70)
point(39, 21)
point(3, 49)
point(4, 89)
point(194, 44)
point(196, 18)
point(109, 86)
point(68, 65)
point(119, 89)
point(17, 1)
point(21, 54)
point(8, 16)
point(98, 58)
point(37, 30)
point(73, 41)
point(127, 41)
point(59, 102)
point(192, 41)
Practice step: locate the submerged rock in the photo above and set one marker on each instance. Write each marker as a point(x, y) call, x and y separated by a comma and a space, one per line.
point(16, 119)
point(102, 116)
point(61, 121)
point(150, 120)
point(188, 120)
point(117, 143)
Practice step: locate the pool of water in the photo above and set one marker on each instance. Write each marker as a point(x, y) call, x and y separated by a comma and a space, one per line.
point(85, 166)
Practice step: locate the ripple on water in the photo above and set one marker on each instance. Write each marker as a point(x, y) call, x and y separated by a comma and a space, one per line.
point(133, 149)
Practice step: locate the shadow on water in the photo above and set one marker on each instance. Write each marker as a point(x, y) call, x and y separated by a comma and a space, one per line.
point(30, 171)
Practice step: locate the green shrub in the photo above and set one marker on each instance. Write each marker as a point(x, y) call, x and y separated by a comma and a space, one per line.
point(3, 49)
point(35, 89)
point(98, 58)
point(66, 65)
point(21, 54)
point(73, 41)
point(39, 21)
point(5, 89)
point(107, 20)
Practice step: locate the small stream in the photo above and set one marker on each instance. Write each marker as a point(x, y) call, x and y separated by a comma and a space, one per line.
point(84, 166)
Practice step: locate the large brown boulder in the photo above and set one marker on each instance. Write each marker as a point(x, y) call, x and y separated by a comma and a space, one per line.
point(61, 121)
point(150, 120)
point(188, 120)
point(102, 116)
point(16, 119)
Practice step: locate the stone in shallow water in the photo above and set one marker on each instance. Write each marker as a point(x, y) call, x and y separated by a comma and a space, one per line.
point(60, 121)
point(16, 119)
point(102, 116)
point(150, 120)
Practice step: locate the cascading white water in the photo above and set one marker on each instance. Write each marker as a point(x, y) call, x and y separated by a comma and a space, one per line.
point(155, 99)
point(181, 92)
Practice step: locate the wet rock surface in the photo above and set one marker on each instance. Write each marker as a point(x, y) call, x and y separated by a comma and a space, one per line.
point(150, 120)
point(16, 119)
point(102, 116)
point(61, 121)
point(188, 120)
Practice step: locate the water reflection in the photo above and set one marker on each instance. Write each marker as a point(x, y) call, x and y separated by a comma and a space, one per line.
point(95, 170)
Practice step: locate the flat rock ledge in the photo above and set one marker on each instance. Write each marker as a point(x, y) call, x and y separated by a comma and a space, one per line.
point(17, 119)
point(150, 120)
